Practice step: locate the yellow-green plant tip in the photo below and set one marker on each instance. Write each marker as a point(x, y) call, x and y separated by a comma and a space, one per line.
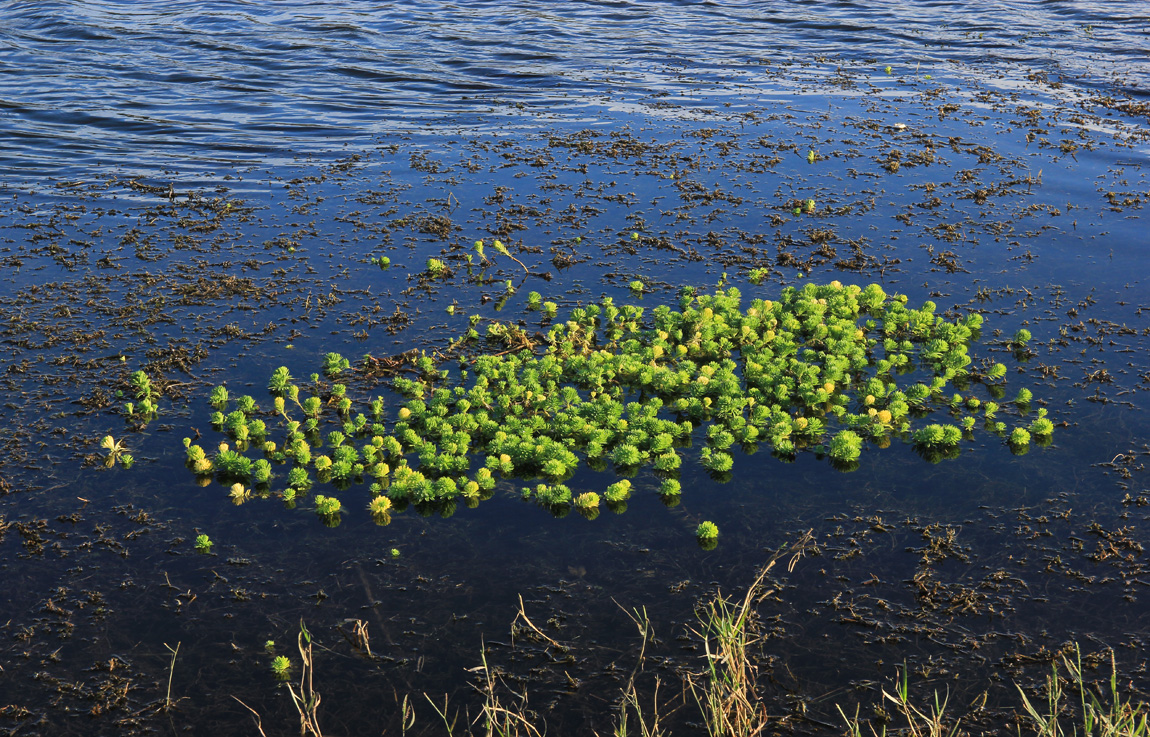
point(707, 531)
point(380, 505)
point(587, 500)
point(327, 506)
point(281, 665)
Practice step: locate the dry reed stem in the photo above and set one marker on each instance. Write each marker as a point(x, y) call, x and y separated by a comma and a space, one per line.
point(307, 700)
point(523, 615)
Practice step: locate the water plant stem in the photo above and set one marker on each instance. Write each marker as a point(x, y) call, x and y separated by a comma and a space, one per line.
point(304, 695)
point(171, 672)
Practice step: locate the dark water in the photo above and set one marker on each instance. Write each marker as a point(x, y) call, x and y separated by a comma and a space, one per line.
point(196, 191)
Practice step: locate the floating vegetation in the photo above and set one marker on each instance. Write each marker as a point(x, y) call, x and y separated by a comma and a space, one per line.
point(203, 543)
point(707, 531)
point(281, 666)
point(145, 408)
point(436, 268)
point(828, 369)
point(116, 452)
point(327, 506)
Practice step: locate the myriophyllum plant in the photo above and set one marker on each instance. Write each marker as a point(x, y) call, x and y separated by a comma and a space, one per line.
point(829, 369)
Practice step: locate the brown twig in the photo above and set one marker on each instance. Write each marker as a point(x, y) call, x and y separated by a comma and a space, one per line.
point(523, 615)
point(256, 714)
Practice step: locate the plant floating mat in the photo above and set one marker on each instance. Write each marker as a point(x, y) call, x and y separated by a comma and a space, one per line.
point(828, 369)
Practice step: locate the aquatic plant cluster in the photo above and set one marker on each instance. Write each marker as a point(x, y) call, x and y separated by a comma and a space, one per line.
point(831, 369)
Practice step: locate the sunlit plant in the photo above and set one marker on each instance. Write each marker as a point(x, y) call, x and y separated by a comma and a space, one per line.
point(281, 666)
point(829, 369)
point(327, 506)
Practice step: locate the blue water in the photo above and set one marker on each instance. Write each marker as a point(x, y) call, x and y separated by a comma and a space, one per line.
point(149, 85)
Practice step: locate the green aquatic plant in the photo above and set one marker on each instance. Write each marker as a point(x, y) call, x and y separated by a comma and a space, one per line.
point(845, 446)
point(203, 543)
point(812, 157)
point(143, 386)
point(261, 470)
point(436, 268)
point(997, 371)
point(239, 494)
point(707, 531)
point(219, 397)
point(831, 369)
point(232, 463)
point(937, 436)
point(281, 666)
point(334, 365)
point(619, 491)
point(756, 276)
point(636, 286)
point(279, 383)
point(327, 506)
point(298, 478)
point(498, 245)
point(379, 505)
point(1019, 437)
point(115, 448)
point(587, 500)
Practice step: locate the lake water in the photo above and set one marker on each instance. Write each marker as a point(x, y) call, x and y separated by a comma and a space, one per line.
point(200, 190)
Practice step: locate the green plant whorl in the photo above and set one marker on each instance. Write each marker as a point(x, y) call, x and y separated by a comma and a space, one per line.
point(1019, 437)
point(281, 665)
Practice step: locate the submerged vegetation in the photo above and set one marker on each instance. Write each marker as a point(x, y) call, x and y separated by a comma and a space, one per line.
point(828, 369)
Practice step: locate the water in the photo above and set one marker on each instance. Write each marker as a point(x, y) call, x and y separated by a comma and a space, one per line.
point(198, 191)
point(160, 85)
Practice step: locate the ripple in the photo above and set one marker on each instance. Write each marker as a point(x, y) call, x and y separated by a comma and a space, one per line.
point(151, 77)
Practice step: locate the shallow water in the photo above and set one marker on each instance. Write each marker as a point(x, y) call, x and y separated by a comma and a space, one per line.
point(197, 191)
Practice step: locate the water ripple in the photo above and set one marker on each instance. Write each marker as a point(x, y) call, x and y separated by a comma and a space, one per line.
point(153, 82)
